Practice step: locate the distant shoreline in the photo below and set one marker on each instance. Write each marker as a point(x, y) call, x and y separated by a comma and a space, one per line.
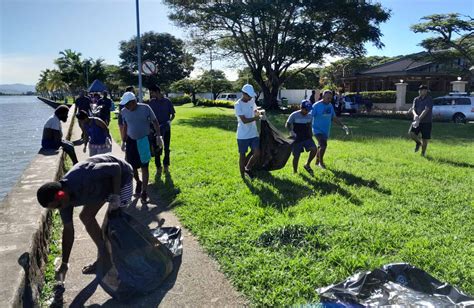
point(16, 94)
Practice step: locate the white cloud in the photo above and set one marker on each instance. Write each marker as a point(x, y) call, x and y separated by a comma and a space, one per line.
point(23, 69)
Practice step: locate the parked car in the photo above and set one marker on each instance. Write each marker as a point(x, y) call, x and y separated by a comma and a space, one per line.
point(348, 104)
point(456, 107)
point(228, 96)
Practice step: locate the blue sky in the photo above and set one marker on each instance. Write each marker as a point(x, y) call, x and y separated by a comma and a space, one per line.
point(32, 32)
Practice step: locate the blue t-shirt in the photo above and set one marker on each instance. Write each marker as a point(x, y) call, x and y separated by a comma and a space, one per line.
point(322, 118)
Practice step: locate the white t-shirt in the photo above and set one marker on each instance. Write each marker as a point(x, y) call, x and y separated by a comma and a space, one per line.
point(248, 130)
point(54, 123)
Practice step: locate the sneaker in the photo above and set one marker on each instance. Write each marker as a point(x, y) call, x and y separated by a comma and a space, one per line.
point(322, 166)
point(144, 197)
point(308, 169)
point(138, 189)
point(417, 147)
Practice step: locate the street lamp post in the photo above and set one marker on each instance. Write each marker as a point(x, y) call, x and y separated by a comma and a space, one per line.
point(139, 54)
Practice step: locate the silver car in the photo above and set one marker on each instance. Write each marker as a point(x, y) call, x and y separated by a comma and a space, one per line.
point(455, 107)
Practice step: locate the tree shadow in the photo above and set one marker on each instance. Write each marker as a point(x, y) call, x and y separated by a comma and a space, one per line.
point(221, 121)
point(450, 162)
point(354, 180)
point(328, 188)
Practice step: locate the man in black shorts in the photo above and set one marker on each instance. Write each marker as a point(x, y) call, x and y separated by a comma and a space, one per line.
point(422, 110)
point(90, 184)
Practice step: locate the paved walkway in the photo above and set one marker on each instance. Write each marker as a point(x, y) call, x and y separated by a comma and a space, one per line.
point(196, 281)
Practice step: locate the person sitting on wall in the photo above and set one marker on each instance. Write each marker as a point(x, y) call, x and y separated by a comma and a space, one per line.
point(52, 133)
point(90, 183)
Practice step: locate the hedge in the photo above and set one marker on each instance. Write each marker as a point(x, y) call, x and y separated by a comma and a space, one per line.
point(378, 97)
point(181, 100)
point(215, 103)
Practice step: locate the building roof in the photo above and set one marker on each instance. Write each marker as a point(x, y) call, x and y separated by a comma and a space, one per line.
point(397, 66)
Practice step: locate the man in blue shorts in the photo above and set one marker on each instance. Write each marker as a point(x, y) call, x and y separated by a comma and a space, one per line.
point(299, 125)
point(323, 116)
point(247, 133)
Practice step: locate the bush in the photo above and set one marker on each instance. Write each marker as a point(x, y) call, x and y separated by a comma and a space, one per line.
point(215, 103)
point(181, 100)
point(378, 97)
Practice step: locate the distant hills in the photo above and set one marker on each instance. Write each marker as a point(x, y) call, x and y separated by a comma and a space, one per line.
point(16, 88)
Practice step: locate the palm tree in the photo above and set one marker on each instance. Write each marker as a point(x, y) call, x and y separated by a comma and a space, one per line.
point(71, 68)
point(41, 86)
point(55, 83)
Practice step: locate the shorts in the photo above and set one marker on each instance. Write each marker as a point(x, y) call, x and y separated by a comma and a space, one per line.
point(244, 144)
point(305, 145)
point(133, 157)
point(322, 140)
point(424, 129)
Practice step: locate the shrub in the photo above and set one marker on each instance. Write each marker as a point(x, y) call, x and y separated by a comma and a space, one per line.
point(215, 103)
point(379, 97)
point(181, 100)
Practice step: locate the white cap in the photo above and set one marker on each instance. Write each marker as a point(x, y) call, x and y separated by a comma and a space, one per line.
point(247, 88)
point(126, 97)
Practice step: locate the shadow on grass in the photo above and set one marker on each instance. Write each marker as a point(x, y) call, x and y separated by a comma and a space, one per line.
point(222, 121)
point(287, 193)
point(450, 162)
point(328, 188)
point(354, 180)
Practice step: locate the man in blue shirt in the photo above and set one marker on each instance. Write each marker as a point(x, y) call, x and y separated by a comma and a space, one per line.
point(323, 115)
point(165, 113)
point(299, 125)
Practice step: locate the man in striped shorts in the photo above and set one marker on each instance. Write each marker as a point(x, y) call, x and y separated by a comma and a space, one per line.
point(90, 184)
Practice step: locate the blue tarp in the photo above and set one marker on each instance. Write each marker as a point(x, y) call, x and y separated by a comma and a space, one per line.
point(97, 86)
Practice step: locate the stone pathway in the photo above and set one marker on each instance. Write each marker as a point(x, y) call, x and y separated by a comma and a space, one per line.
point(196, 281)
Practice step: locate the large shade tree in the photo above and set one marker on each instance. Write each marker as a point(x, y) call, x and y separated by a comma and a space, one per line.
point(453, 39)
point(166, 51)
point(272, 36)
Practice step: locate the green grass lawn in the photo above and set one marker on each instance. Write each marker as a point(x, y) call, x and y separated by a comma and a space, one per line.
point(282, 235)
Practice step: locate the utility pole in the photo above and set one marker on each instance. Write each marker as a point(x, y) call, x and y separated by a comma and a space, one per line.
point(139, 54)
point(212, 78)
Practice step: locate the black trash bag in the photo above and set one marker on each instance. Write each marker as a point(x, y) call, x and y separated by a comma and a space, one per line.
point(134, 261)
point(393, 284)
point(171, 237)
point(274, 146)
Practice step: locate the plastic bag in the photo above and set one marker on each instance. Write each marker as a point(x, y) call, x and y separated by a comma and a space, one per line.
point(274, 146)
point(134, 261)
point(393, 284)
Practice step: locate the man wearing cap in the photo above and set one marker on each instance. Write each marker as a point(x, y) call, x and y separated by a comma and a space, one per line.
point(323, 115)
point(90, 184)
point(299, 126)
point(52, 133)
point(83, 102)
point(165, 113)
point(136, 121)
point(247, 133)
point(422, 119)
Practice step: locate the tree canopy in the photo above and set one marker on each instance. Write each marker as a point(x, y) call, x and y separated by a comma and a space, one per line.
point(454, 38)
point(271, 37)
point(214, 81)
point(166, 51)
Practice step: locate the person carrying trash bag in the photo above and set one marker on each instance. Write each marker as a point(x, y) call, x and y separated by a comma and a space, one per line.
point(247, 132)
point(90, 184)
point(299, 126)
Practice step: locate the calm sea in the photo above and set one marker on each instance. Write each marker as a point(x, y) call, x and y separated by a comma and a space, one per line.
point(21, 126)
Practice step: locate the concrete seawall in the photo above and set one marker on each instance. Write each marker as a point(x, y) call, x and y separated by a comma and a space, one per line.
point(25, 229)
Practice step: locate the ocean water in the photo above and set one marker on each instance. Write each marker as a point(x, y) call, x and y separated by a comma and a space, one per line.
point(21, 126)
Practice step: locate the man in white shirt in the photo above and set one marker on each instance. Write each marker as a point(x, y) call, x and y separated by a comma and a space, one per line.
point(247, 133)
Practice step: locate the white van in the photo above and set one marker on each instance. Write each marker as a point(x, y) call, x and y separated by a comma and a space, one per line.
point(228, 96)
